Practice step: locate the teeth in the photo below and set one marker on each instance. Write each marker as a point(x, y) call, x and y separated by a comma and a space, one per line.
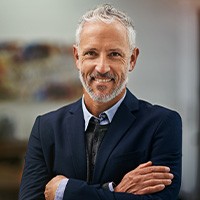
point(103, 80)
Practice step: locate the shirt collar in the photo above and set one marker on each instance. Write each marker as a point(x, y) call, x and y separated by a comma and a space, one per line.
point(110, 112)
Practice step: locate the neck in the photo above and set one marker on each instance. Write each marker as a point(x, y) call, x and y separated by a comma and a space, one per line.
point(96, 107)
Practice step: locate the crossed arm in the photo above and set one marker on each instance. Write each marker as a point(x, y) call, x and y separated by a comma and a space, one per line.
point(145, 179)
point(146, 182)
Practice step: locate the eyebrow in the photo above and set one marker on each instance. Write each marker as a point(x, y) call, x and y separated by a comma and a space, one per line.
point(116, 49)
point(89, 49)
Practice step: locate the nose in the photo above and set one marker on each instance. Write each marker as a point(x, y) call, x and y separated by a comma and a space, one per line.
point(102, 65)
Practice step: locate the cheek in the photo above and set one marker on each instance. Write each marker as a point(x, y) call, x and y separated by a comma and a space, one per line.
point(83, 63)
point(84, 70)
point(121, 69)
point(124, 61)
point(122, 65)
point(87, 68)
point(81, 66)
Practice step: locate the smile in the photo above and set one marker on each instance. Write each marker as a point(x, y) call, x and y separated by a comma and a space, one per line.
point(103, 80)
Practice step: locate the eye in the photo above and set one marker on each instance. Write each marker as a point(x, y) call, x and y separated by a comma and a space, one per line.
point(90, 53)
point(114, 54)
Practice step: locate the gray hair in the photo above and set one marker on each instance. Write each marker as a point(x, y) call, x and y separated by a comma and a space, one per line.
point(107, 14)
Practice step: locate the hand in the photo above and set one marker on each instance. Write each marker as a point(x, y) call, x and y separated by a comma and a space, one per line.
point(145, 179)
point(51, 187)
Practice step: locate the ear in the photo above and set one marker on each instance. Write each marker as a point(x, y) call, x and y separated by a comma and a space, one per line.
point(76, 56)
point(133, 59)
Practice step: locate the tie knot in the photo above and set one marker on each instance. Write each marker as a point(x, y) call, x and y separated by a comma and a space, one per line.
point(102, 120)
point(103, 117)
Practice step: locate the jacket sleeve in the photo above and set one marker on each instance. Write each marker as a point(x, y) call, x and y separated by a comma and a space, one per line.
point(35, 174)
point(166, 150)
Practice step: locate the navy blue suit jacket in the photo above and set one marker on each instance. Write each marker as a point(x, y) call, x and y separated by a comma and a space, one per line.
point(139, 132)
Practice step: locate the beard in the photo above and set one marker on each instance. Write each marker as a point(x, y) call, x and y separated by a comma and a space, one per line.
point(103, 98)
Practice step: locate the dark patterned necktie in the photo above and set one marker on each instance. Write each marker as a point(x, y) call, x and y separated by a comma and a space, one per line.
point(94, 136)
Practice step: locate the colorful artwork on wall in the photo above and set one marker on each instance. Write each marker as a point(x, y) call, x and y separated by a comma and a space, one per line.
point(35, 78)
point(37, 72)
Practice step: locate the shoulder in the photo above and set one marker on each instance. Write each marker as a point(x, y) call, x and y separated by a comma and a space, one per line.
point(161, 118)
point(145, 110)
point(154, 109)
point(61, 112)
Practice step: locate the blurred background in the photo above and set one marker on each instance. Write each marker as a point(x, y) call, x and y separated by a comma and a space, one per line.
point(37, 72)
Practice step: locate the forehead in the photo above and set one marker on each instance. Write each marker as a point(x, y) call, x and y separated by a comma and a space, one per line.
point(101, 33)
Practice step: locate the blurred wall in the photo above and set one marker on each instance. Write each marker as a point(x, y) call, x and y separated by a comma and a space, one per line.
point(166, 72)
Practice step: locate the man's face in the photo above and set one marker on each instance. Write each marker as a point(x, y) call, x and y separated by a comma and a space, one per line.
point(103, 59)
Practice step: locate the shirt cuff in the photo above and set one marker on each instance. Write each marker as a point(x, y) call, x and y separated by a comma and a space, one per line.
point(61, 189)
point(111, 186)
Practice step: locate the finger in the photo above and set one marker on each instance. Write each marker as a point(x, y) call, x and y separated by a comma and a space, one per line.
point(150, 190)
point(143, 165)
point(158, 175)
point(155, 179)
point(46, 195)
point(143, 183)
point(154, 182)
point(152, 179)
point(152, 169)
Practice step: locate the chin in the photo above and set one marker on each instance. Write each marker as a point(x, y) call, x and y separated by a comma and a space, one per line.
point(102, 97)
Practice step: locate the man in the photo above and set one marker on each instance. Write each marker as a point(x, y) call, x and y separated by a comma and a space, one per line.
point(109, 144)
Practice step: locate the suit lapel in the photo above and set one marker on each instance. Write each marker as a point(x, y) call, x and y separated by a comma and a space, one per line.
point(77, 141)
point(122, 120)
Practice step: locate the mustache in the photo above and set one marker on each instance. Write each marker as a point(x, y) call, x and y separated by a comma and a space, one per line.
point(100, 75)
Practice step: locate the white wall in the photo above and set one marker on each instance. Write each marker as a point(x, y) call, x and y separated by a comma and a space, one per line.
point(166, 72)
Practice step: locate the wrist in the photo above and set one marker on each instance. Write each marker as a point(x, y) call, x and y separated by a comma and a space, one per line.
point(109, 186)
point(112, 186)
